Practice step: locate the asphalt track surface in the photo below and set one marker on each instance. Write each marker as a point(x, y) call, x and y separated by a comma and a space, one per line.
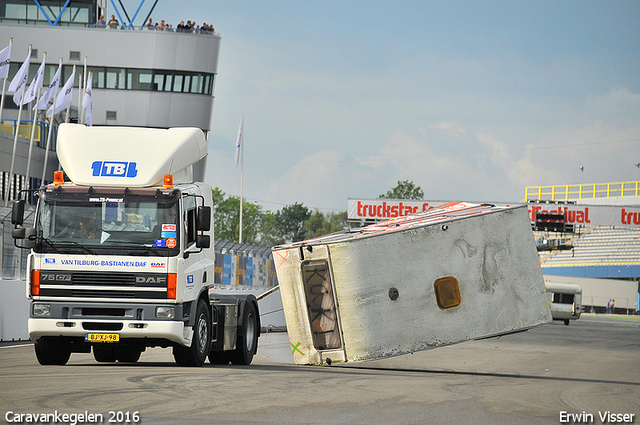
point(589, 367)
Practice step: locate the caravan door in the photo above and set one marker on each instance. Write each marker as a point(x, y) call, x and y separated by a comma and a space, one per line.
point(314, 325)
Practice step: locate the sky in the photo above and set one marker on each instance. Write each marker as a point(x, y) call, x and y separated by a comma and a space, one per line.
point(470, 100)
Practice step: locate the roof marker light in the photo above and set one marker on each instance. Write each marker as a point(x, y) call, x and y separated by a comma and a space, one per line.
point(58, 177)
point(168, 181)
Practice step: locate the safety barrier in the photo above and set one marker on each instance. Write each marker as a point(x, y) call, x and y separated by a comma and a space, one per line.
point(238, 265)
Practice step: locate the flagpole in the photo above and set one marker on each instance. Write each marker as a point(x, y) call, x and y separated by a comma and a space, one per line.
point(82, 90)
point(46, 148)
point(15, 138)
point(240, 152)
point(35, 116)
point(68, 107)
point(87, 101)
point(4, 86)
point(240, 137)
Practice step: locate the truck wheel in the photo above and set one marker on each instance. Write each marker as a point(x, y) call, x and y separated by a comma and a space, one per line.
point(201, 341)
point(126, 354)
point(104, 353)
point(247, 343)
point(52, 351)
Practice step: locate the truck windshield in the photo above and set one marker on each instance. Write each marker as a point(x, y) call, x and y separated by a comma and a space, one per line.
point(126, 221)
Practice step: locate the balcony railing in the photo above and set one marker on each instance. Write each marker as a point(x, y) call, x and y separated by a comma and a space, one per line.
point(571, 192)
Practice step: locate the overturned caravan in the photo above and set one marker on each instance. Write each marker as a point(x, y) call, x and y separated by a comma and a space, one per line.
point(451, 274)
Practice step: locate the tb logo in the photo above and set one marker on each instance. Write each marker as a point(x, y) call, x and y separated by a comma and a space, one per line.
point(114, 169)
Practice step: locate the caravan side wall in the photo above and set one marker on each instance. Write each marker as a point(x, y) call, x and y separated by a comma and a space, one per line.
point(491, 256)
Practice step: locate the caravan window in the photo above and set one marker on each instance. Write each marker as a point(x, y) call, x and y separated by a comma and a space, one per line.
point(560, 298)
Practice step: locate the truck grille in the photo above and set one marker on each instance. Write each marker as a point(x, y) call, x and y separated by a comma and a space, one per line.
point(103, 279)
point(65, 284)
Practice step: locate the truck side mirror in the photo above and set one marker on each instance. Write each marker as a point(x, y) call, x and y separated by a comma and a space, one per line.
point(203, 241)
point(204, 218)
point(26, 234)
point(17, 212)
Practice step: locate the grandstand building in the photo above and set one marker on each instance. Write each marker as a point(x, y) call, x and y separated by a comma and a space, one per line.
point(140, 77)
point(602, 251)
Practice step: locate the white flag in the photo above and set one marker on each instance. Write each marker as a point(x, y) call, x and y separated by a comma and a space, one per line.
point(51, 91)
point(86, 102)
point(64, 100)
point(239, 141)
point(19, 80)
point(36, 84)
point(5, 60)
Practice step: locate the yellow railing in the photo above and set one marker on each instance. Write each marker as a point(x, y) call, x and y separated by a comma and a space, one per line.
point(25, 131)
point(571, 192)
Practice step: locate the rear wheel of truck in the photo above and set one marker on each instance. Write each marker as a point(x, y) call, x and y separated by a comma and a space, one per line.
point(52, 351)
point(104, 353)
point(247, 343)
point(201, 341)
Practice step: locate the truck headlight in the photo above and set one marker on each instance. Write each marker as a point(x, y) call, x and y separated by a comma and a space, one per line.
point(165, 312)
point(42, 310)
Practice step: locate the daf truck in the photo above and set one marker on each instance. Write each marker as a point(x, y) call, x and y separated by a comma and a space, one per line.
point(122, 253)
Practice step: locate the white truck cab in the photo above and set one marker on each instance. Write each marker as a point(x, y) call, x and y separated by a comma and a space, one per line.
point(122, 253)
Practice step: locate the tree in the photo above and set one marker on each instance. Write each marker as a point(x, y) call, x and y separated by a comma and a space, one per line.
point(290, 222)
point(404, 190)
point(269, 234)
point(320, 224)
point(226, 218)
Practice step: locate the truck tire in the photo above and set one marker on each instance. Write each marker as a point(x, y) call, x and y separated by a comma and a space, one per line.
point(247, 343)
point(52, 351)
point(201, 341)
point(104, 353)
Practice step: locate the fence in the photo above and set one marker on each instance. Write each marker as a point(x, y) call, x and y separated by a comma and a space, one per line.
point(13, 260)
point(599, 305)
point(243, 265)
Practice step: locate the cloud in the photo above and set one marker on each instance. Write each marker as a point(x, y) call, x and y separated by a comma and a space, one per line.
point(323, 179)
point(521, 171)
point(451, 129)
point(619, 106)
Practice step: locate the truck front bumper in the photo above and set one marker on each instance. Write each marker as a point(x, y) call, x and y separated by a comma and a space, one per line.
point(129, 321)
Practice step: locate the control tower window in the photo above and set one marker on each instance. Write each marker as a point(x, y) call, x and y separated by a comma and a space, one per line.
point(78, 13)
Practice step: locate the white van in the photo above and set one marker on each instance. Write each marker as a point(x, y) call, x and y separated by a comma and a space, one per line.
point(565, 301)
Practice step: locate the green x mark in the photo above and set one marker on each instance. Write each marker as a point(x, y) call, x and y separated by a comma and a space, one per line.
point(295, 348)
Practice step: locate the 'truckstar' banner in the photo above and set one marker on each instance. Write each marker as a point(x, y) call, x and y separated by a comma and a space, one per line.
point(589, 215)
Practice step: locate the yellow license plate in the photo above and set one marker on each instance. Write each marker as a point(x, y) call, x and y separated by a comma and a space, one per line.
point(102, 337)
